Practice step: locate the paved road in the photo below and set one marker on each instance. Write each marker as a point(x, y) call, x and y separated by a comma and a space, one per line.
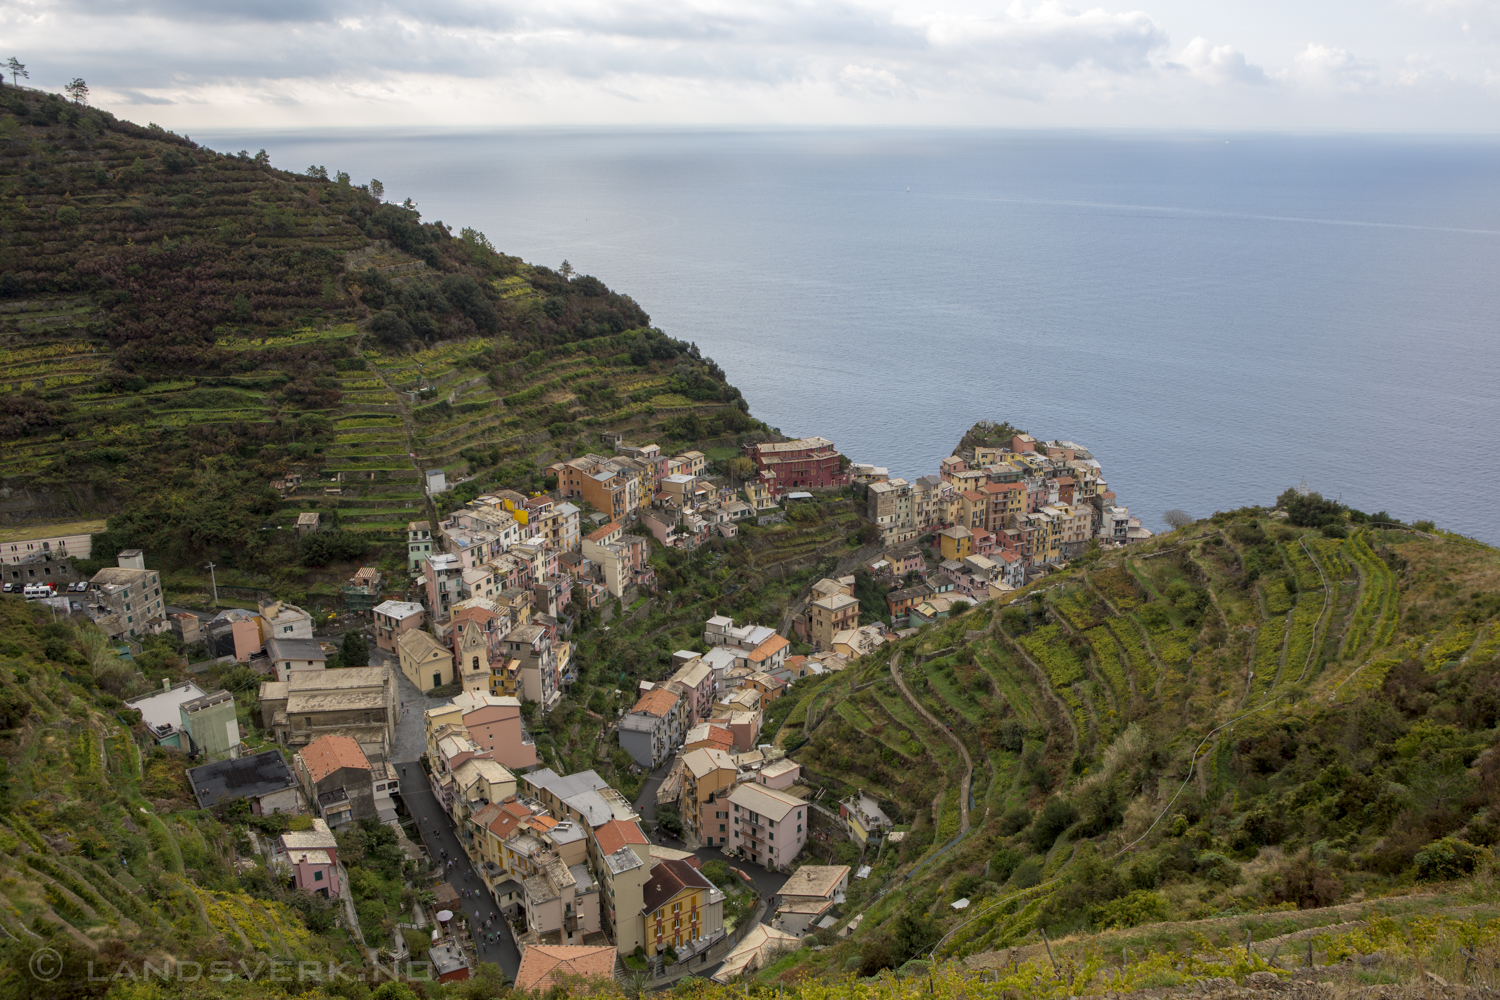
point(767, 883)
point(411, 729)
point(645, 803)
point(422, 806)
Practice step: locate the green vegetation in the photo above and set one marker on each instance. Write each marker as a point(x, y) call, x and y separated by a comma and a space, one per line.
point(1129, 769)
point(307, 328)
point(101, 843)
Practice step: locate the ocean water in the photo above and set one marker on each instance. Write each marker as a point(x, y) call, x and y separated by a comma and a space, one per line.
point(1218, 317)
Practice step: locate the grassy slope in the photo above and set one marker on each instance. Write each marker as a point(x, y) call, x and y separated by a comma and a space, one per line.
point(178, 326)
point(1359, 740)
point(102, 852)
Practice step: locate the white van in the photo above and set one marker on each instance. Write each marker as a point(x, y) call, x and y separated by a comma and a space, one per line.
point(35, 590)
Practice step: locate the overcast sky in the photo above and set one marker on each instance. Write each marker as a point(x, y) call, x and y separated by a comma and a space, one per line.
point(1236, 64)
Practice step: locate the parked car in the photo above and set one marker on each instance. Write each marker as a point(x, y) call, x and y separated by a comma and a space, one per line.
point(7, 588)
point(77, 605)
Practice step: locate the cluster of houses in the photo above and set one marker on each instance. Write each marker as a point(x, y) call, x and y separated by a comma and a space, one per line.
point(564, 856)
point(1040, 502)
point(682, 507)
point(331, 780)
point(1002, 515)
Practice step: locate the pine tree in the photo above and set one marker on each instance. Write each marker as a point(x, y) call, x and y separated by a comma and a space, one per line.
point(355, 651)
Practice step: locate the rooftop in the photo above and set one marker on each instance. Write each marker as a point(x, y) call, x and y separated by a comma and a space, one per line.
point(657, 702)
point(705, 760)
point(766, 801)
point(241, 778)
point(295, 649)
point(667, 880)
point(815, 880)
point(618, 834)
point(545, 965)
point(319, 838)
point(327, 754)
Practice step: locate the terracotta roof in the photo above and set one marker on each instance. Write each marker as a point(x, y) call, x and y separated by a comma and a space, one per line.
point(543, 965)
point(603, 532)
point(971, 496)
point(716, 735)
point(618, 833)
point(327, 754)
point(769, 648)
point(667, 880)
point(657, 702)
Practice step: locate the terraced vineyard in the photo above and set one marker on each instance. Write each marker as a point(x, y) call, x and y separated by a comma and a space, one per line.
point(179, 327)
point(101, 847)
point(1147, 732)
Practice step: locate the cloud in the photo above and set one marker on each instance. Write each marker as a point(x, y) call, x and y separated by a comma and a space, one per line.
point(159, 50)
point(482, 61)
point(1219, 64)
point(1326, 68)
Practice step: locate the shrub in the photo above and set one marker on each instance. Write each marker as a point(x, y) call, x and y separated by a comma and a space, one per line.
point(1056, 816)
point(1307, 882)
point(1005, 862)
point(1446, 859)
point(1139, 907)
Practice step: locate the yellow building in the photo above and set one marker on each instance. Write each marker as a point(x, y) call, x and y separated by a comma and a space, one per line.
point(681, 909)
point(426, 662)
point(956, 543)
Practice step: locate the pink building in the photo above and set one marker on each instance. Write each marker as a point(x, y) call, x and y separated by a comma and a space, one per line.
point(247, 641)
point(768, 827)
point(317, 872)
point(499, 731)
point(697, 681)
point(779, 774)
point(393, 619)
point(312, 859)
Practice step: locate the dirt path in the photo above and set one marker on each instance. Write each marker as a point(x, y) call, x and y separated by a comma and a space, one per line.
point(409, 425)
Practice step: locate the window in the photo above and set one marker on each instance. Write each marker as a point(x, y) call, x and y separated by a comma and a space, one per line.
point(317, 876)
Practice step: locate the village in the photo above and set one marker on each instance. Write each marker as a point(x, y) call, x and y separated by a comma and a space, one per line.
point(426, 729)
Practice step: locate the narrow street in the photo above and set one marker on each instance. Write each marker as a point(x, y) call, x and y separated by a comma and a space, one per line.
point(437, 833)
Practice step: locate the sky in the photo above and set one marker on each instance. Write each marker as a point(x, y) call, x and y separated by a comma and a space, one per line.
point(1381, 65)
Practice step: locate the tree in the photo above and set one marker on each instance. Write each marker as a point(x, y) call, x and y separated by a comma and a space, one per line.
point(17, 71)
point(1177, 518)
point(668, 819)
point(1310, 509)
point(377, 189)
point(317, 173)
point(566, 271)
point(78, 90)
point(355, 650)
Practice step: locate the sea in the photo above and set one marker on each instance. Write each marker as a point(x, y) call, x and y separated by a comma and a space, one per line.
point(1216, 316)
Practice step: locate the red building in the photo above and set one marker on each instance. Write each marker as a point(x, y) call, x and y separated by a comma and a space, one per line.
point(806, 464)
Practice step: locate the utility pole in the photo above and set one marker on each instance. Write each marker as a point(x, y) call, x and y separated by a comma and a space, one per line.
point(214, 577)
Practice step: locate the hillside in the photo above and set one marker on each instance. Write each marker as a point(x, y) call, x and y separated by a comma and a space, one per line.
point(178, 327)
point(1246, 716)
point(103, 853)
